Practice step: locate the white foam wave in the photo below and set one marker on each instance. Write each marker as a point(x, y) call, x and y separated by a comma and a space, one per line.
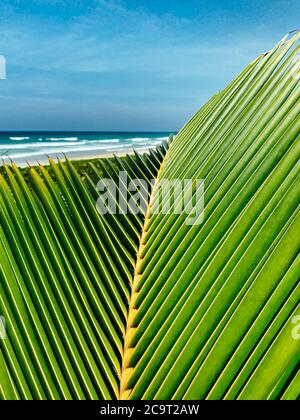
point(50, 151)
point(104, 141)
point(91, 149)
point(161, 138)
point(19, 138)
point(58, 144)
point(148, 139)
point(51, 147)
point(37, 145)
point(142, 143)
point(62, 138)
point(140, 139)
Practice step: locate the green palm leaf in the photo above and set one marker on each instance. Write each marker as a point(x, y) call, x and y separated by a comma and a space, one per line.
point(147, 306)
point(193, 284)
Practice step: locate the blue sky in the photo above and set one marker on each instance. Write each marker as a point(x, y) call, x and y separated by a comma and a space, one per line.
point(127, 64)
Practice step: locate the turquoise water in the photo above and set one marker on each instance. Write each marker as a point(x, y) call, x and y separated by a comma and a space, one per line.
point(22, 147)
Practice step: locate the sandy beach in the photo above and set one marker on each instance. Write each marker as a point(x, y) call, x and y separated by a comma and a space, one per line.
point(75, 156)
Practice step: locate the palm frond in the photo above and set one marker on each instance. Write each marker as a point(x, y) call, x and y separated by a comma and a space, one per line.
point(204, 296)
point(148, 306)
point(65, 286)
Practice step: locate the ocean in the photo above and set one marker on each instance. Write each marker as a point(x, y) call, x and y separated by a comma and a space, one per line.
point(33, 147)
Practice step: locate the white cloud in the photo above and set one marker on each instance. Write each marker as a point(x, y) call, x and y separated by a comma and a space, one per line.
point(112, 38)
